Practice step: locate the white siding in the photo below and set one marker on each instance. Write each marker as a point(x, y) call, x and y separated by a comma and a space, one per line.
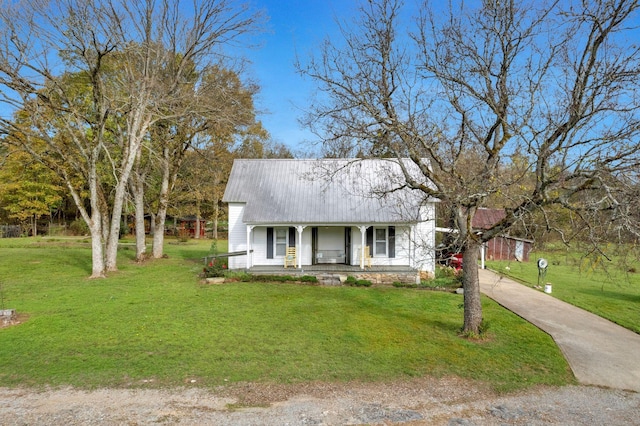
point(356, 245)
point(259, 246)
point(402, 248)
point(305, 246)
point(237, 235)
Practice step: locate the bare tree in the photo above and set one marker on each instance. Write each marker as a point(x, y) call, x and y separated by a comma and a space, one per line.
point(103, 71)
point(220, 107)
point(470, 86)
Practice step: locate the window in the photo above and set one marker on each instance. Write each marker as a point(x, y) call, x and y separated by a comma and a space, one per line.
point(281, 241)
point(380, 242)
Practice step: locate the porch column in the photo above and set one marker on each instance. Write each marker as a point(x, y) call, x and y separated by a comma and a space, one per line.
point(363, 237)
point(299, 228)
point(412, 246)
point(249, 251)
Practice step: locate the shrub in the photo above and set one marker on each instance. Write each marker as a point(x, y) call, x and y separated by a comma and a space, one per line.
point(406, 285)
point(183, 235)
point(215, 268)
point(352, 281)
point(238, 276)
point(214, 247)
point(447, 272)
point(269, 278)
point(79, 227)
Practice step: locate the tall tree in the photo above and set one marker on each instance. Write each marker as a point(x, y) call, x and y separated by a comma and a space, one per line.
point(221, 111)
point(475, 82)
point(28, 190)
point(93, 76)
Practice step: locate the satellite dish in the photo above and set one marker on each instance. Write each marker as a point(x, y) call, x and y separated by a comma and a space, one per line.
point(542, 263)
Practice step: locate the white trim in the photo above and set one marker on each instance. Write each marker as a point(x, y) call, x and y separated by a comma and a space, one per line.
point(363, 237)
point(249, 250)
point(386, 242)
point(275, 241)
point(299, 228)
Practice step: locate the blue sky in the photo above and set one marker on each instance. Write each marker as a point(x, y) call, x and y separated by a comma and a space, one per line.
point(295, 27)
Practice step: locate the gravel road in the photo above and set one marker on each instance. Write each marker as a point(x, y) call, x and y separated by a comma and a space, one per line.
point(425, 401)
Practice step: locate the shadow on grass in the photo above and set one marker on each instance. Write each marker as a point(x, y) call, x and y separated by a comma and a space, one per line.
point(451, 328)
point(626, 297)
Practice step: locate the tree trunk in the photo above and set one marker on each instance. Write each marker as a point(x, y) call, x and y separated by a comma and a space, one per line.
point(152, 224)
point(97, 250)
point(96, 225)
point(95, 221)
point(34, 225)
point(138, 199)
point(163, 204)
point(114, 227)
point(158, 234)
point(133, 147)
point(196, 233)
point(171, 162)
point(471, 285)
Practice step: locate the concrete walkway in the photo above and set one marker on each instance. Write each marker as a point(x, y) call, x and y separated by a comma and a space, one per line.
point(599, 352)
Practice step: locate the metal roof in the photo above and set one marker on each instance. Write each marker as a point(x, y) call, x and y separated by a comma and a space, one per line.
point(327, 191)
point(485, 218)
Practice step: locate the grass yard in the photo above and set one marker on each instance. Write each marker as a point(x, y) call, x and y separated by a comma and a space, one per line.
point(606, 288)
point(157, 325)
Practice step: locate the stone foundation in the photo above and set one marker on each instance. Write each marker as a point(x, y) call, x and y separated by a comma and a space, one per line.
point(376, 278)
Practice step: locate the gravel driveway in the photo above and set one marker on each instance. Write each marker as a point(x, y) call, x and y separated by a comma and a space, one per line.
point(424, 401)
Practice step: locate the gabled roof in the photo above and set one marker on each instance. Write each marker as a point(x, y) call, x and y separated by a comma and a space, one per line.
point(328, 191)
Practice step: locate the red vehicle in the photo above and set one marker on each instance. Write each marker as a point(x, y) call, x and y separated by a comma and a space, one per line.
point(454, 260)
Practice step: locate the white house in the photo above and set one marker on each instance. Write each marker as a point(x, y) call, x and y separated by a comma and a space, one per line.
point(331, 211)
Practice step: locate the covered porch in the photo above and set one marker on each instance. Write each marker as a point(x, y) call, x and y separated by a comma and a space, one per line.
point(337, 247)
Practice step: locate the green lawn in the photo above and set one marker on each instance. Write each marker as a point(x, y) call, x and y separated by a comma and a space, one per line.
point(156, 325)
point(607, 288)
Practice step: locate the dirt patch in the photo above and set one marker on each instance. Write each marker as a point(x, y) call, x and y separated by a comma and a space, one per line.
point(423, 401)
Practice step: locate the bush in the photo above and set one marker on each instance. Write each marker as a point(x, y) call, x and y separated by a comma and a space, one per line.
point(216, 268)
point(238, 276)
point(79, 227)
point(406, 285)
point(183, 235)
point(246, 277)
point(447, 272)
point(446, 277)
point(352, 281)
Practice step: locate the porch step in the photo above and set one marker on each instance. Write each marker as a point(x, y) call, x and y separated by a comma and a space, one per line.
point(331, 279)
